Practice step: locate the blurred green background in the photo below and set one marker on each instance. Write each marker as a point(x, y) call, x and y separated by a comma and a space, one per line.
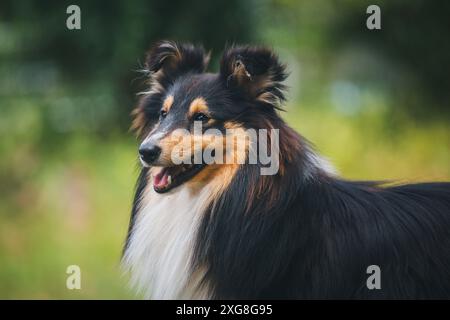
point(377, 103)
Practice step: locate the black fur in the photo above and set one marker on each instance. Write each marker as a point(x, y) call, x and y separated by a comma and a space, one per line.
point(302, 233)
point(140, 186)
point(244, 69)
point(176, 58)
point(320, 236)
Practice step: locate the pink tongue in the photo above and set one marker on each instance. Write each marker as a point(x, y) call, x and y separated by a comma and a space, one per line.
point(161, 179)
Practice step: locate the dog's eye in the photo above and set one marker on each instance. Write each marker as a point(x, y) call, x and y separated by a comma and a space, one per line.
point(163, 113)
point(200, 117)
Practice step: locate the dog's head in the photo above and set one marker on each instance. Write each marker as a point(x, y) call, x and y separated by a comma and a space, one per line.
point(183, 101)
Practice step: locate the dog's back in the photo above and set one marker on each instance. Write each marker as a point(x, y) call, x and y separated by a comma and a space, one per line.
point(403, 230)
point(323, 243)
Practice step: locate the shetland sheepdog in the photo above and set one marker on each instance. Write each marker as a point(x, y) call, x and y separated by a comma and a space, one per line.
point(225, 230)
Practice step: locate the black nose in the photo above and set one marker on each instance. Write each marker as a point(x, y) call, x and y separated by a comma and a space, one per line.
point(149, 153)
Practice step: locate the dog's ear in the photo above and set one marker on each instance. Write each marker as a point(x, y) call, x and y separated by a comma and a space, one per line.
point(168, 59)
point(254, 72)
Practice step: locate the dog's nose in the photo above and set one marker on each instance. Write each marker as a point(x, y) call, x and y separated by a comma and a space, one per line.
point(149, 153)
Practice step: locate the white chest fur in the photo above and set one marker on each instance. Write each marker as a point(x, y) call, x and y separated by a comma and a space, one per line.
point(159, 254)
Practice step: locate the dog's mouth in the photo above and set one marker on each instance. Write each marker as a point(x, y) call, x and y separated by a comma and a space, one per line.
point(167, 178)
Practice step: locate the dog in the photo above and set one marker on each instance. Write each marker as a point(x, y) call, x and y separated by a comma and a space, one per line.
point(228, 231)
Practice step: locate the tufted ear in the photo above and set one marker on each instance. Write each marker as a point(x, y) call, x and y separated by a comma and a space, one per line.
point(254, 72)
point(167, 60)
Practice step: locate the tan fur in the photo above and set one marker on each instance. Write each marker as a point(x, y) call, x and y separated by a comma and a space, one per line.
point(167, 104)
point(198, 105)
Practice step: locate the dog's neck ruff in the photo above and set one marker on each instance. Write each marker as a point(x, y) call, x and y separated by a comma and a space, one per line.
point(160, 250)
